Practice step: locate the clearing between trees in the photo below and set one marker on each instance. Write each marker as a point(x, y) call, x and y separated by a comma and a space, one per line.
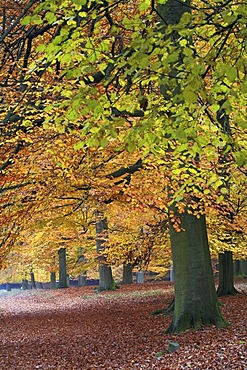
point(77, 328)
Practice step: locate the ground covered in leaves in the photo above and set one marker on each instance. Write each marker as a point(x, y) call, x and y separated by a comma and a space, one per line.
point(77, 328)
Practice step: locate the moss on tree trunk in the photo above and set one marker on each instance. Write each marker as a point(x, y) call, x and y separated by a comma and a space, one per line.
point(196, 302)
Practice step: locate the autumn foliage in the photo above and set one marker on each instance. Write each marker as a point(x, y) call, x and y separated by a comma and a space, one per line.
point(100, 112)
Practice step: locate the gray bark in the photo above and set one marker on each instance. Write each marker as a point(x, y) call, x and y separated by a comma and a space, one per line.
point(82, 280)
point(33, 283)
point(127, 274)
point(53, 283)
point(240, 268)
point(24, 284)
point(226, 275)
point(63, 282)
point(195, 301)
point(106, 281)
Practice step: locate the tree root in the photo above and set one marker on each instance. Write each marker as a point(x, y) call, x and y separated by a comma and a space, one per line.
point(166, 310)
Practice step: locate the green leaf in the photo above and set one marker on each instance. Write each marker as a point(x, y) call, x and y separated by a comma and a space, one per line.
point(131, 147)
point(189, 95)
point(72, 115)
point(231, 73)
point(51, 18)
point(224, 191)
point(215, 108)
point(185, 19)
point(25, 21)
point(103, 142)
point(79, 145)
point(36, 19)
point(144, 5)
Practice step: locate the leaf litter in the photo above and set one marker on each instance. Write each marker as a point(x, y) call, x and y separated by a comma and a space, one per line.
point(77, 328)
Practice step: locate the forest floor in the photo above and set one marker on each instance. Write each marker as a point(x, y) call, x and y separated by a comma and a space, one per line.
point(79, 329)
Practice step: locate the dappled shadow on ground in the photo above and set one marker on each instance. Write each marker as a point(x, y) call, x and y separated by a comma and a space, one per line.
point(76, 328)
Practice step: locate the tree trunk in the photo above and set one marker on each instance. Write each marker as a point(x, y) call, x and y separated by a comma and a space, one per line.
point(106, 281)
point(82, 280)
point(240, 268)
point(8, 287)
point(226, 275)
point(63, 282)
point(24, 284)
point(33, 283)
point(127, 274)
point(196, 302)
point(53, 284)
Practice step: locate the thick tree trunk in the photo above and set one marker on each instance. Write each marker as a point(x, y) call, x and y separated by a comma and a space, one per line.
point(226, 275)
point(53, 284)
point(196, 302)
point(106, 281)
point(127, 274)
point(63, 281)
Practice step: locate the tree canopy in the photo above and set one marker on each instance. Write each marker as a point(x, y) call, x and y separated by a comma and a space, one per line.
point(106, 105)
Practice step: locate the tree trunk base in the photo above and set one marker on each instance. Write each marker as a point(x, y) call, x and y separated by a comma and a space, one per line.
point(168, 311)
point(226, 275)
point(187, 321)
point(221, 292)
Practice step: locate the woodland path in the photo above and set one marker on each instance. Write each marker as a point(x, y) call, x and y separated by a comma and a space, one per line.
point(76, 328)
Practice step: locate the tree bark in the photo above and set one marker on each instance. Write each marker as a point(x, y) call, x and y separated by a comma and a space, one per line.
point(127, 274)
point(196, 302)
point(106, 281)
point(24, 284)
point(33, 283)
point(226, 275)
point(240, 268)
point(82, 280)
point(63, 282)
point(53, 284)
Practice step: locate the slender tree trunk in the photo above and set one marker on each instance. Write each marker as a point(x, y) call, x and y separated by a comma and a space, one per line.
point(8, 287)
point(53, 284)
point(106, 281)
point(226, 275)
point(24, 284)
point(63, 282)
point(82, 280)
point(243, 268)
point(33, 283)
point(236, 267)
point(196, 301)
point(127, 274)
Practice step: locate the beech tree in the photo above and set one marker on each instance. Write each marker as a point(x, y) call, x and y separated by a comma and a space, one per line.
point(195, 297)
point(118, 79)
